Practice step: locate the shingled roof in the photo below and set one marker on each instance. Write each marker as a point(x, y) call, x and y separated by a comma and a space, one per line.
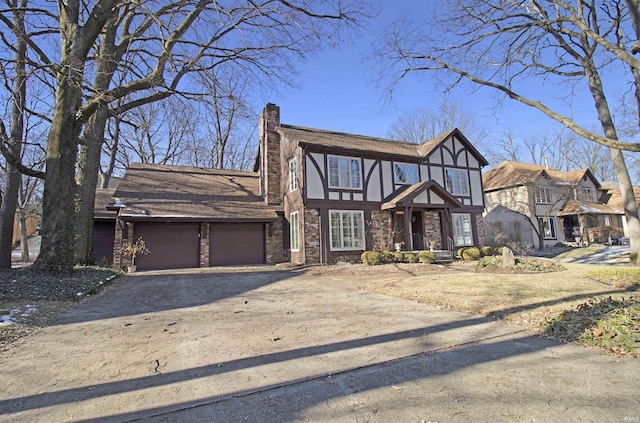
point(190, 193)
point(509, 174)
point(367, 144)
point(613, 197)
point(587, 207)
point(104, 197)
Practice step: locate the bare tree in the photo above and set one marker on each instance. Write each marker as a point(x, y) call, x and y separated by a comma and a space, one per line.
point(159, 44)
point(157, 133)
point(420, 125)
point(504, 44)
point(227, 136)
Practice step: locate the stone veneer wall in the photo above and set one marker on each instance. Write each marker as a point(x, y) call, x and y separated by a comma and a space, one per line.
point(120, 262)
point(311, 240)
point(273, 242)
point(433, 229)
point(204, 244)
point(482, 232)
point(117, 243)
point(380, 234)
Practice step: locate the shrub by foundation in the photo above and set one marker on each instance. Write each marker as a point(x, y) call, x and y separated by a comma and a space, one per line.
point(487, 250)
point(472, 253)
point(371, 258)
point(427, 257)
point(410, 257)
point(398, 257)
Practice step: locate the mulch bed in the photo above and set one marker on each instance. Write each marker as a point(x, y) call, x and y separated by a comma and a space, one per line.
point(30, 284)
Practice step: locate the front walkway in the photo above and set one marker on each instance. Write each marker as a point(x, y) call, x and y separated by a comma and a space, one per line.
point(271, 346)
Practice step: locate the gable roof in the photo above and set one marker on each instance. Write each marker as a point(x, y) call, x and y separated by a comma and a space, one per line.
point(367, 144)
point(406, 195)
point(509, 174)
point(190, 193)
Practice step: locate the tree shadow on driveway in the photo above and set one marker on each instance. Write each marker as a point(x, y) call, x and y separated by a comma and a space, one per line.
point(91, 391)
point(140, 294)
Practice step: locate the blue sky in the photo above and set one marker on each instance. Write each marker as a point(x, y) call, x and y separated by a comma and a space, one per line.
point(337, 90)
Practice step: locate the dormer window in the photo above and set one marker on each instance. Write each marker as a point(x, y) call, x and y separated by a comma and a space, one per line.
point(344, 172)
point(543, 195)
point(587, 194)
point(405, 173)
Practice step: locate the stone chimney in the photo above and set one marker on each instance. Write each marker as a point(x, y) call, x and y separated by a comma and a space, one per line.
point(270, 166)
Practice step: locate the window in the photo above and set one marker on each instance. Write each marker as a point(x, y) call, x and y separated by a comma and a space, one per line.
point(406, 173)
point(607, 220)
point(587, 194)
point(548, 226)
point(543, 195)
point(294, 231)
point(457, 181)
point(344, 172)
point(462, 234)
point(347, 230)
point(293, 174)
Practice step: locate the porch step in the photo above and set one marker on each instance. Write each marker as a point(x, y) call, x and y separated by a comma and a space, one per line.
point(443, 256)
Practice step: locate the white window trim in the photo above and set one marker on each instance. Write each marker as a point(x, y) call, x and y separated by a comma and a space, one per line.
point(547, 199)
point(294, 231)
point(466, 183)
point(332, 248)
point(587, 193)
point(552, 223)
point(359, 187)
point(293, 174)
point(405, 165)
point(453, 218)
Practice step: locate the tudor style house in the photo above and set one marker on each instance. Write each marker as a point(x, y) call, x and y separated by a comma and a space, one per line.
point(524, 201)
point(343, 193)
point(315, 196)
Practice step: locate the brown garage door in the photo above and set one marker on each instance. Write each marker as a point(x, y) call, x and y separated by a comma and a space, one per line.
point(236, 243)
point(171, 245)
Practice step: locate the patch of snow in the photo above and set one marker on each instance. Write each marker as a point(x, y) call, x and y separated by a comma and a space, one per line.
point(11, 318)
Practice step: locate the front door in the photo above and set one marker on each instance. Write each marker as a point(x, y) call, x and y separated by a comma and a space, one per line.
point(417, 231)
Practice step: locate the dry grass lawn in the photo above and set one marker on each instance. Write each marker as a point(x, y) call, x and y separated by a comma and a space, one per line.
point(523, 299)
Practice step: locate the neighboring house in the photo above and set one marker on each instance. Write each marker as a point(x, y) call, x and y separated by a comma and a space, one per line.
point(343, 193)
point(526, 202)
point(611, 195)
point(315, 196)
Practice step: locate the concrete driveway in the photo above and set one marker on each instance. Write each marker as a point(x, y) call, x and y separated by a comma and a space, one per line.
point(261, 345)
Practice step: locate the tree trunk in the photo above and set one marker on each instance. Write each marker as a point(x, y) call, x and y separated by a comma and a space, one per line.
point(24, 239)
point(622, 174)
point(628, 198)
point(58, 217)
point(13, 177)
point(108, 173)
point(87, 180)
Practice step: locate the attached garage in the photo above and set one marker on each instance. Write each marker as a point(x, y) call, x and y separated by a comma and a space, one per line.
point(192, 217)
point(236, 243)
point(171, 245)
